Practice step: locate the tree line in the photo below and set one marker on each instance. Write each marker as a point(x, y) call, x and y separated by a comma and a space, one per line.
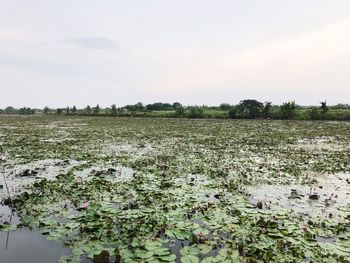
point(245, 109)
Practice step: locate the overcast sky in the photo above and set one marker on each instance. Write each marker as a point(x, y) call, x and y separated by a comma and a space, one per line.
point(80, 52)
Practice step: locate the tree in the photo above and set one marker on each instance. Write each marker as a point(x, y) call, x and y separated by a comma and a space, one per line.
point(196, 112)
point(67, 111)
point(324, 107)
point(113, 110)
point(10, 110)
point(341, 106)
point(46, 110)
point(74, 110)
point(139, 106)
point(87, 110)
point(96, 110)
point(59, 111)
point(22, 111)
point(267, 109)
point(136, 107)
point(225, 107)
point(26, 111)
point(179, 111)
point(176, 105)
point(249, 108)
point(287, 110)
point(233, 113)
point(156, 106)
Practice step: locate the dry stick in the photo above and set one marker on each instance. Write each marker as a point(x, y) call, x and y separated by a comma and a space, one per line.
point(8, 234)
point(7, 189)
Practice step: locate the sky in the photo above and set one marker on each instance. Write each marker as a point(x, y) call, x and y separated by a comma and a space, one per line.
point(87, 52)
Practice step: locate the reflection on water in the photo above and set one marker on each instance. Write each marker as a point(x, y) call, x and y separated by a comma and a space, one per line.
point(7, 216)
point(29, 247)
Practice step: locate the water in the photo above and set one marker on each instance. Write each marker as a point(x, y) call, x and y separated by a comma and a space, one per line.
point(333, 193)
point(26, 245)
point(20, 177)
point(114, 174)
point(29, 247)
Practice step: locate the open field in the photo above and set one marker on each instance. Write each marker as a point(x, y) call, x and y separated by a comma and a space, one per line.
point(176, 190)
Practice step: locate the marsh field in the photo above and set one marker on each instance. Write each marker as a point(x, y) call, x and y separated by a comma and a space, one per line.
point(104, 189)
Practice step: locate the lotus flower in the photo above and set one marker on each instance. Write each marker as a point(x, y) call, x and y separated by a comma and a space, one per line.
point(85, 205)
point(304, 228)
point(201, 237)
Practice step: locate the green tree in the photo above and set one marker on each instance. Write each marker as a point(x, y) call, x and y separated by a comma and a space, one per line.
point(176, 105)
point(26, 111)
point(46, 110)
point(196, 112)
point(233, 113)
point(113, 110)
point(287, 110)
point(74, 110)
point(266, 111)
point(67, 111)
point(96, 110)
point(179, 111)
point(10, 110)
point(139, 106)
point(87, 110)
point(225, 107)
point(249, 108)
point(59, 111)
point(324, 107)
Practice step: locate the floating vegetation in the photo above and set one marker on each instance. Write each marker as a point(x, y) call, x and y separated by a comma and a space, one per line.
point(327, 195)
point(169, 190)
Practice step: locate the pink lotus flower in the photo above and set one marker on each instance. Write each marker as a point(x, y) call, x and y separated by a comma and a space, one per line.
point(85, 205)
point(201, 235)
point(304, 228)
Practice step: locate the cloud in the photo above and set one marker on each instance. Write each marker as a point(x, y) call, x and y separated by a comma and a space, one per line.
point(92, 42)
point(148, 52)
point(313, 61)
point(7, 34)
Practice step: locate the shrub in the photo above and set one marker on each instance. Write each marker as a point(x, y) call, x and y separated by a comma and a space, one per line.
point(287, 110)
point(195, 112)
